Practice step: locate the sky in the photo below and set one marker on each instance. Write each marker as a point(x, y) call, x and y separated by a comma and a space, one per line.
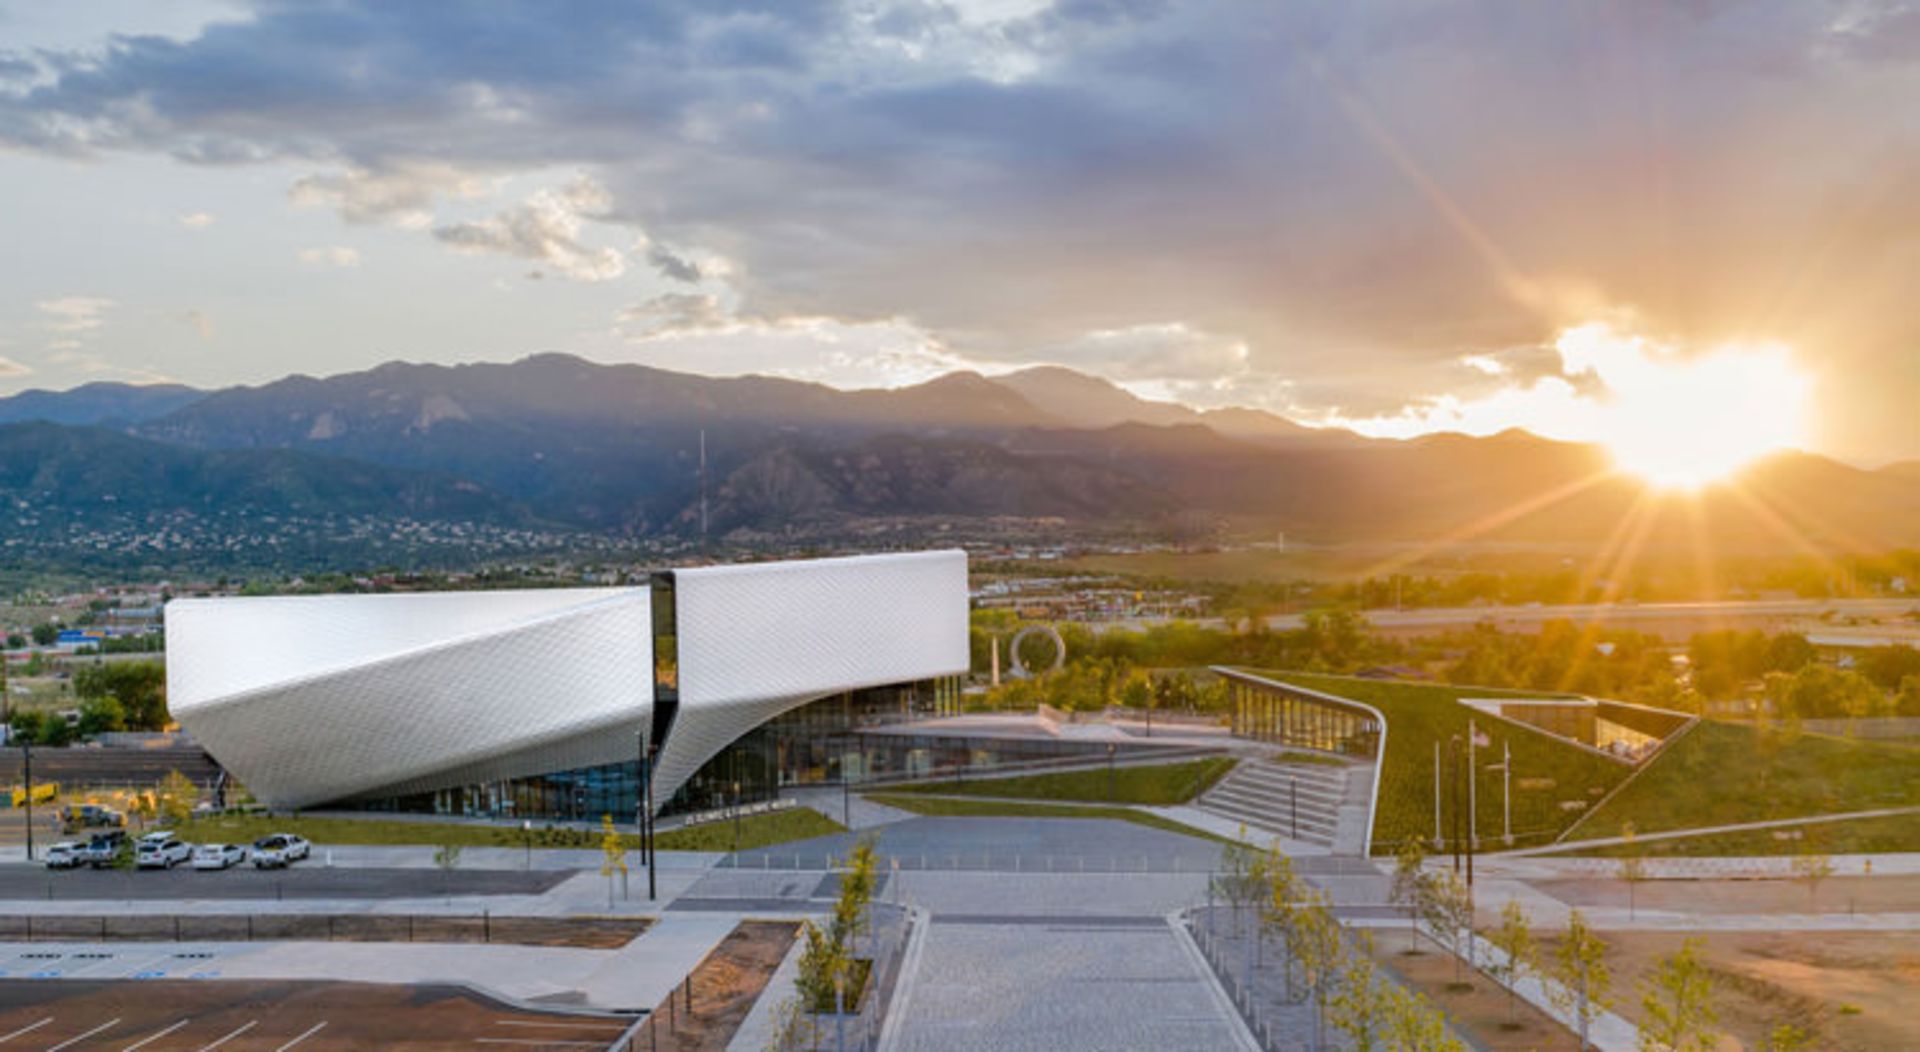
point(1399, 217)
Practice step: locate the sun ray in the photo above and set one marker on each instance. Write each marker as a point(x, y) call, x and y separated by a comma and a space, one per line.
point(1490, 522)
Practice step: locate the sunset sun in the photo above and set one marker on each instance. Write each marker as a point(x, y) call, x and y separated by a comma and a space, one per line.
point(1684, 423)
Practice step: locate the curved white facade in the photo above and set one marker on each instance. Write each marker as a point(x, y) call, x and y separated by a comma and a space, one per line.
point(309, 700)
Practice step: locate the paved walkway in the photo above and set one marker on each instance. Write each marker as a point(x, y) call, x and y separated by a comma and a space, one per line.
point(1060, 984)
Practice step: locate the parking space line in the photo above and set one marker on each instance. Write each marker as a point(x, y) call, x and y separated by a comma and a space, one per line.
point(28, 1029)
point(108, 1025)
point(537, 1043)
point(565, 1026)
point(251, 1023)
point(143, 1042)
point(310, 1032)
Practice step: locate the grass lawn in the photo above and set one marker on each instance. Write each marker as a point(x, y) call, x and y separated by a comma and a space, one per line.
point(948, 807)
point(1166, 783)
point(1858, 836)
point(1722, 773)
point(1547, 773)
point(798, 823)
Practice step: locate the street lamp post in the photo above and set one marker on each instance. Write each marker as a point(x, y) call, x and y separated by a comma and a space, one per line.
point(736, 822)
point(1111, 748)
point(26, 765)
point(643, 798)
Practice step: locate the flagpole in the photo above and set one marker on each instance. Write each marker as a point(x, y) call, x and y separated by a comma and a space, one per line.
point(1473, 780)
point(1436, 794)
point(1506, 791)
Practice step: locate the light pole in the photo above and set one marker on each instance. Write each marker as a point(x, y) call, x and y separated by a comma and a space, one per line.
point(736, 822)
point(26, 772)
point(1111, 748)
point(643, 798)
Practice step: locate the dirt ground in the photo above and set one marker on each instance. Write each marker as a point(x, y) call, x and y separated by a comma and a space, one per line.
point(162, 1015)
point(1851, 990)
point(1837, 894)
point(724, 988)
point(1481, 1011)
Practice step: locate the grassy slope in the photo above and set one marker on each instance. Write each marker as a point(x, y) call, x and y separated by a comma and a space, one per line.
point(948, 807)
point(1723, 773)
point(797, 823)
point(1169, 783)
point(1418, 714)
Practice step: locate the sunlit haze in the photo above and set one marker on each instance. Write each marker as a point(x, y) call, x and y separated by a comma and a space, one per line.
point(1673, 418)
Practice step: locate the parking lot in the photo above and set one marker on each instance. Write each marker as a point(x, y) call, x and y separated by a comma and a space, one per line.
point(166, 1016)
point(303, 880)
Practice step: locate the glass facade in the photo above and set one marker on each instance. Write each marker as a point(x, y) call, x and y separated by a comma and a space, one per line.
point(1274, 714)
point(818, 743)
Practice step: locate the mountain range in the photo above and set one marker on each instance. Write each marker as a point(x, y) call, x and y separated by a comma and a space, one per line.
point(558, 442)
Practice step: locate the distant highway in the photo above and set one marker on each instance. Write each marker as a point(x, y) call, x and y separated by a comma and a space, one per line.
point(1531, 616)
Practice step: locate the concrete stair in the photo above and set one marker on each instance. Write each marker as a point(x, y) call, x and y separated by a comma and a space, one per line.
point(1300, 801)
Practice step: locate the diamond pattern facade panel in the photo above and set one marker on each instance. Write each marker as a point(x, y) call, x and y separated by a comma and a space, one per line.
point(485, 678)
point(757, 640)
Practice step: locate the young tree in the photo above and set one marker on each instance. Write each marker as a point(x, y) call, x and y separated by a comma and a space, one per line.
point(1676, 1005)
point(820, 962)
point(1317, 945)
point(1810, 867)
point(175, 797)
point(1361, 1006)
point(1633, 865)
point(1514, 939)
point(1448, 910)
point(1285, 893)
point(1582, 985)
point(613, 852)
point(1409, 887)
point(1415, 1025)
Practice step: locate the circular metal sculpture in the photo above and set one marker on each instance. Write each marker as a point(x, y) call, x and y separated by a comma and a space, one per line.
point(1018, 668)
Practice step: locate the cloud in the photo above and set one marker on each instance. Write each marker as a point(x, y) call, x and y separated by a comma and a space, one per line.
point(197, 220)
point(202, 324)
point(673, 265)
point(399, 193)
point(1364, 196)
point(331, 256)
point(545, 228)
point(9, 367)
point(74, 314)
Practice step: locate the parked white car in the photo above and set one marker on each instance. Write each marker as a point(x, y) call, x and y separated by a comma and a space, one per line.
point(67, 854)
point(161, 852)
point(279, 849)
point(218, 856)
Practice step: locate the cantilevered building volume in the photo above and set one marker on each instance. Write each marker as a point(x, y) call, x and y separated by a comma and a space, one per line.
point(536, 703)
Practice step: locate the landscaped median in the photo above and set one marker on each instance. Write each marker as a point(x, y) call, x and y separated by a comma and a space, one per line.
point(1162, 784)
point(761, 830)
point(951, 807)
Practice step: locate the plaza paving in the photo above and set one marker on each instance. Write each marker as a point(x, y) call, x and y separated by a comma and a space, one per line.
point(1058, 985)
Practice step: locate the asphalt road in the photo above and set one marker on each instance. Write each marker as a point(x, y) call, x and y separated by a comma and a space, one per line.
point(301, 881)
